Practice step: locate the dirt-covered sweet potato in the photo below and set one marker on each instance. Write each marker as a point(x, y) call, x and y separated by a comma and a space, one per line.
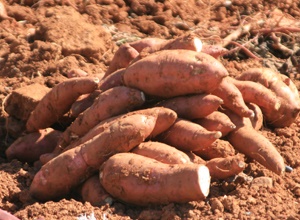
point(58, 101)
point(113, 80)
point(170, 73)
point(245, 139)
point(141, 44)
point(70, 168)
point(188, 136)
point(30, 147)
point(258, 119)
point(140, 180)
point(161, 152)
point(216, 121)
point(202, 105)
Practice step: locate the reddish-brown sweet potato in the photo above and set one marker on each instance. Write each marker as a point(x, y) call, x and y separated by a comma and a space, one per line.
point(170, 73)
point(232, 98)
point(113, 80)
point(30, 147)
point(222, 168)
point(115, 101)
point(92, 191)
point(123, 56)
point(253, 144)
point(214, 50)
point(66, 171)
point(258, 119)
point(219, 148)
point(202, 105)
point(161, 152)
point(139, 180)
point(216, 121)
point(188, 136)
point(58, 101)
point(141, 44)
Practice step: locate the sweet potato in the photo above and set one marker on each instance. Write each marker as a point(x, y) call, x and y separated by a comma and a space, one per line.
point(112, 102)
point(222, 168)
point(188, 136)
point(253, 144)
point(258, 119)
point(76, 73)
point(214, 50)
point(202, 105)
point(92, 191)
point(4, 215)
point(58, 101)
point(194, 158)
point(113, 80)
point(216, 121)
point(161, 152)
point(121, 59)
point(139, 180)
point(83, 102)
point(219, 148)
point(141, 44)
point(170, 73)
point(29, 147)
point(81, 162)
point(285, 90)
point(232, 98)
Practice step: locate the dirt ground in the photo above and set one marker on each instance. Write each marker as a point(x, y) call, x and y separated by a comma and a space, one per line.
point(40, 41)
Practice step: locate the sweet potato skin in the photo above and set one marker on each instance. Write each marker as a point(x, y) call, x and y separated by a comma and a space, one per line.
point(112, 80)
point(79, 163)
point(143, 181)
point(141, 44)
point(170, 73)
point(58, 101)
point(30, 147)
point(203, 105)
point(161, 152)
point(245, 139)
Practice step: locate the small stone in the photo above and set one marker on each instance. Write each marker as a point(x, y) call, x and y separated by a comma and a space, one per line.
point(262, 182)
point(216, 205)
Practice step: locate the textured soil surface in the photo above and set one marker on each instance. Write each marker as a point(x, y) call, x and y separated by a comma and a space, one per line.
point(40, 41)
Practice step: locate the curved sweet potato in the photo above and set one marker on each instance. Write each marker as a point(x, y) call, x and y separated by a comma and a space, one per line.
point(161, 152)
point(30, 147)
point(170, 73)
point(115, 101)
point(188, 136)
point(232, 98)
point(258, 119)
point(58, 101)
point(113, 80)
point(139, 180)
point(79, 163)
point(121, 59)
point(202, 105)
point(222, 168)
point(216, 121)
point(250, 142)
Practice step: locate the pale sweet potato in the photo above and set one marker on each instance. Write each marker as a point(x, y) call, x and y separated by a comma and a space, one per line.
point(232, 98)
point(141, 44)
point(258, 119)
point(216, 121)
point(188, 136)
point(81, 162)
point(30, 147)
point(214, 50)
point(193, 106)
point(222, 168)
point(161, 152)
point(4, 215)
point(58, 101)
point(139, 180)
point(253, 144)
point(170, 73)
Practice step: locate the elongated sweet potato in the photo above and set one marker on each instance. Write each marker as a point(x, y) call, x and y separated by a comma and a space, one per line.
point(188, 136)
point(141, 44)
point(115, 101)
point(79, 163)
point(161, 152)
point(139, 180)
point(112, 80)
point(121, 59)
point(258, 119)
point(194, 158)
point(219, 148)
point(222, 168)
point(285, 90)
point(170, 73)
point(58, 101)
point(202, 105)
point(232, 98)
point(216, 121)
point(92, 191)
point(30, 147)
point(253, 144)
point(214, 50)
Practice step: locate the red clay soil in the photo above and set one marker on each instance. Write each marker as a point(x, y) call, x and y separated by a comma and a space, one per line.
point(40, 41)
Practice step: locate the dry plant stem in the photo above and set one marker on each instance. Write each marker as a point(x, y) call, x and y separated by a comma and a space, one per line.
point(286, 30)
point(236, 34)
point(246, 50)
point(278, 46)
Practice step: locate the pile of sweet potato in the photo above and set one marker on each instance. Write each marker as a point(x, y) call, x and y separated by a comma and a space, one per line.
point(164, 120)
